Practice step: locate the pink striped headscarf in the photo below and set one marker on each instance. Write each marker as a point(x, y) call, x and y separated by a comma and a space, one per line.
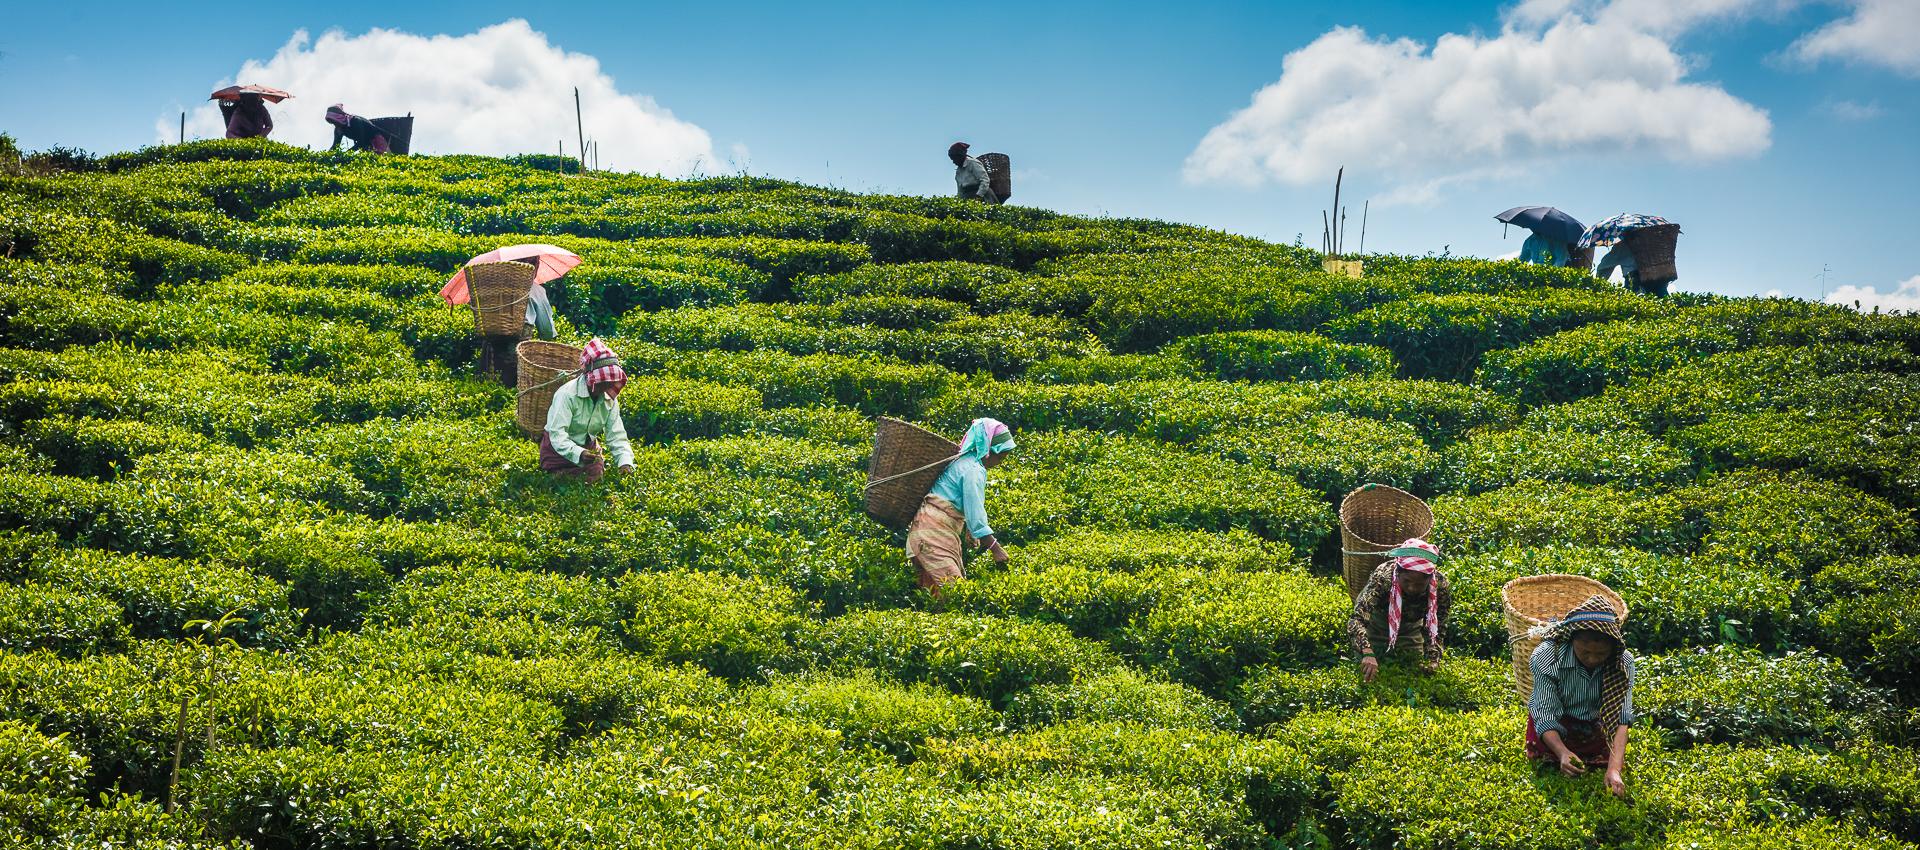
point(602, 368)
point(1415, 565)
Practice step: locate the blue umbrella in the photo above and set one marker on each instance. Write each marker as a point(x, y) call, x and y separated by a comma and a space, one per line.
point(1608, 232)
point(1549, 222)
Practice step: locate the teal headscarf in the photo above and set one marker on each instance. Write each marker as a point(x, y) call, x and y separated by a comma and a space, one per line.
point(986, 435)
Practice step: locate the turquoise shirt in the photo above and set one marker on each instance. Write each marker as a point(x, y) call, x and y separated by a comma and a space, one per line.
point(1542, 251)
point(965, 485)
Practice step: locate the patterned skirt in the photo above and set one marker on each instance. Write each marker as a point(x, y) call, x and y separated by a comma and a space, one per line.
point(936, 542)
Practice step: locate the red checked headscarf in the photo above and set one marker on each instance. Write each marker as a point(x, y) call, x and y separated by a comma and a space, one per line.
point(1414, 565)
point(602, 368)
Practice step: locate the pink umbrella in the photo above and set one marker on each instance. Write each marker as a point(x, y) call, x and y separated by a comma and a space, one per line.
point(551, 262)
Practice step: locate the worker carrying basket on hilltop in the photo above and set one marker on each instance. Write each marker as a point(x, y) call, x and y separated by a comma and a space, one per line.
point(973, 179)
point(1401, 610)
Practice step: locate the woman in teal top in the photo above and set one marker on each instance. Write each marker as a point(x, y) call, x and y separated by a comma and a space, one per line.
point(956, 509)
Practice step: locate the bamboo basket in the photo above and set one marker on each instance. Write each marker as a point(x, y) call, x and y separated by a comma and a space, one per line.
point(1653, 249)
point(1581, 259)
point(544, 368)
point(1537, 600)
point(913, 454)
point(498, 295)
point(1373, 519)
point(999, 174)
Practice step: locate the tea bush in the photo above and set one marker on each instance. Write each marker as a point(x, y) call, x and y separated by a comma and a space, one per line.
point(1280, 356)
point(1122, 696)
point(1444, 336)
point(1274, 695)
point(985, 657)
point(1488, 460)
point(1868, 615)
point(1739, 696)
point(870, 712)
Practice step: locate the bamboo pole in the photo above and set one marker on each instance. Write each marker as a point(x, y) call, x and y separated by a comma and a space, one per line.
point(1363, 224)
point(1337, 176)
point(580, 124)
point(183, 128)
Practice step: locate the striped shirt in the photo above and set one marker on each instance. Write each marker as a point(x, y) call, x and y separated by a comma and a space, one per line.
point(1563, 687)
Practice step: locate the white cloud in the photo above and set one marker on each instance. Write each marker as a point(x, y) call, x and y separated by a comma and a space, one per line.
point(1579, 86)
point(501, 90)
point(1879, 32)
point(1850, 110)
point(1904, 296)
point(1662, 17)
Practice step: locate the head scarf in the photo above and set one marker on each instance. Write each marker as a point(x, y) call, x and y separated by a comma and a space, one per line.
point(337, 114)
point(1407, 561)
point(602, 368)
point(1597, 615)
point(986, 435)
point(957, 150)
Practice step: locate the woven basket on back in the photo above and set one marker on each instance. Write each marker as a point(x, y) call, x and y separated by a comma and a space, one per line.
point(1652, 249)
point(899, 447)
point(1373, 519)
point(1537, 600)
point(999, 174)
point(544, 368)
point(1582, 259)
point(499, 297)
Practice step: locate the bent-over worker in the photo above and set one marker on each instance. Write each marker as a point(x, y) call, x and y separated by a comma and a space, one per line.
point(1582, 700)
point(1401, 610)
point(970, 176)
point(1543, 251)
point(366, 135)
point(247, 118)
point(1620, 257)
point(584, 409)
point(956, 509)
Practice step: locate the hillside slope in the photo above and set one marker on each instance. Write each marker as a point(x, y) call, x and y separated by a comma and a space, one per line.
point(228, 392)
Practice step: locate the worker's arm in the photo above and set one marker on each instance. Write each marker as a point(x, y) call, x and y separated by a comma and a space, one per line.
point(559, 416)
point(1363, 606)
point(617, 438)
point(973, 494)
point(1443, 606)
point(338, 134)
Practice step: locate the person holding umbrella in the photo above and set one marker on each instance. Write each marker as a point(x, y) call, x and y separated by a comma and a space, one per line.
point(1642, 251)
point(244, 109)
point(1551, 234)
point(550, 263)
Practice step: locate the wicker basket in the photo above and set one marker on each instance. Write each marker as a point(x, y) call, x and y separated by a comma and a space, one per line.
point(900, 447)
point(544, 366)
point(999, 174)
point(1537, 600)
point(499, 297)
point(1652, 249)
point(1373, 519)
point(1581, 259)
point(399, 132)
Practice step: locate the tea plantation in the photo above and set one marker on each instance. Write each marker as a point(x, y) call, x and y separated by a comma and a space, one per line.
point(277, 570)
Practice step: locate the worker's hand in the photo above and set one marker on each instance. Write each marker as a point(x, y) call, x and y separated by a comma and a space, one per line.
point(626, 468)
point(1429, 666)
point(1369, 668)
point(1571, 765)
point(1616, 783)
point(999, 554)
point(588, 456)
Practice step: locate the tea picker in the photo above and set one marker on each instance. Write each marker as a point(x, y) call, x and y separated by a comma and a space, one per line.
point(973, 179)
point(1643, 247)
point(1551, 234)
point(938, 490)
point(506, 288)
point(243, 109)
point(365, 135)
point(583, 420)
point(1582, 701)
point(1401, 610)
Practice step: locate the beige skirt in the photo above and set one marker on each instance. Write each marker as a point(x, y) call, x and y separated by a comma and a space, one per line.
point(936, 542)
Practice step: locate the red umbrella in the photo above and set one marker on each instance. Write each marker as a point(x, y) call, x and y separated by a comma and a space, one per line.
point(270, 95)
point(550, 262)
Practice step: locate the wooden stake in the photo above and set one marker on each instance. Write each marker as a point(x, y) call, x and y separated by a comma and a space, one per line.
point(1326, 235)
point(1363, 224)
point(183, 128)
point(580, 124)
point(1336, 204)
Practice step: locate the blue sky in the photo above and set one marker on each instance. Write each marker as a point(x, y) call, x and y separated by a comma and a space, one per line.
point(1780, 146)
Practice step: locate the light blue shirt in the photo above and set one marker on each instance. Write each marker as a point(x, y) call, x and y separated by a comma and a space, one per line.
point(540, 312)
point(965, 485)
point(1619, 256)
point(1542, 251)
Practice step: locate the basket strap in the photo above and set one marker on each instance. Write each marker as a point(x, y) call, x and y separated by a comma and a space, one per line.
point(1360, 552)
point(560, 379)
point(879, 481)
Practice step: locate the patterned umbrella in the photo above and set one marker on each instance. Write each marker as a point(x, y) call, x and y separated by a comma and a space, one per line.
point(1608, 232)
point(550, 263)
